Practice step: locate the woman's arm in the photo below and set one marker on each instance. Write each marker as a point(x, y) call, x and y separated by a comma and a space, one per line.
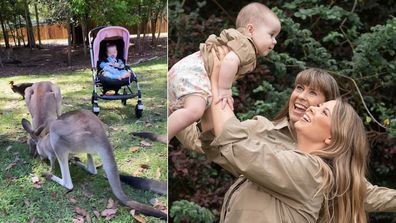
point(380, 199)
point(218, 115)
point(247, 148)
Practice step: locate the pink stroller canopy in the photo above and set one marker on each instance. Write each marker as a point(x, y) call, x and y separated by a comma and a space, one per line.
point(109, 33)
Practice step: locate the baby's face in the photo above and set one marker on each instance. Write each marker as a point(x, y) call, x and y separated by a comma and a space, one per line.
point(112, 51)
point(264, 34)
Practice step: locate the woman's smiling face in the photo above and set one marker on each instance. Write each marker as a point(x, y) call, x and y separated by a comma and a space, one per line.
point(315, 124)
point(302, 97)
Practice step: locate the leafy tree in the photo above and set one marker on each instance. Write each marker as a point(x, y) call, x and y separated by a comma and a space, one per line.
point(61, 11)
point(29, 25)
point(4, 16)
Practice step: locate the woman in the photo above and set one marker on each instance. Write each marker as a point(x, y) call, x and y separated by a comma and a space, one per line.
point(291, 185)
point(313, 86)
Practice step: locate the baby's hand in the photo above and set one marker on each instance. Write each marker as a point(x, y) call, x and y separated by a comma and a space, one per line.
point(225, 97)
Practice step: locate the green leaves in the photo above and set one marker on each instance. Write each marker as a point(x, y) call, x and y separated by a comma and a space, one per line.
point(186, 211)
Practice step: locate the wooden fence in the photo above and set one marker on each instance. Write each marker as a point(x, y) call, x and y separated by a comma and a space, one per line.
point(59, 31)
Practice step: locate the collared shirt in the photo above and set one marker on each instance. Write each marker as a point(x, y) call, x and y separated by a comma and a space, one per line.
point(243, 148)
point(275, 184)
point(240, 43)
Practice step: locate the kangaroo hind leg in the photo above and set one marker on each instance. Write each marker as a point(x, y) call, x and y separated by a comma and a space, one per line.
point(90, 166)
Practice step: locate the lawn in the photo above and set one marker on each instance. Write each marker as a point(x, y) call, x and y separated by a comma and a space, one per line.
point(22, 200)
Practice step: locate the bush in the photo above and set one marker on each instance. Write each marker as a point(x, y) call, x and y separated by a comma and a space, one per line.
point(186, 211)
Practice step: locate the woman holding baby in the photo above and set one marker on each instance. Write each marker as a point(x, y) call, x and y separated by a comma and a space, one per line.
point(305, 166)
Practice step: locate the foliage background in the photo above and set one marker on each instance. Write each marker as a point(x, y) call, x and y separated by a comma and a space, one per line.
point(354, 40)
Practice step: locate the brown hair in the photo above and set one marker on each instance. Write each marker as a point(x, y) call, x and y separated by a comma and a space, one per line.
point(343, 163)
point(318, 79)
point(108, 45)
point(253, 13)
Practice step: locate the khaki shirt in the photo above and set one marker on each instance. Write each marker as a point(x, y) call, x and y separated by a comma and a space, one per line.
point(256, 197)
point(242, 45)
point(275, 184)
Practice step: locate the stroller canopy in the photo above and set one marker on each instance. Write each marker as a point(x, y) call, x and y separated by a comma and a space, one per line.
point(110, 33)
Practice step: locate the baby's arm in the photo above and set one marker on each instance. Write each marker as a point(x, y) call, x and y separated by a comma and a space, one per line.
point(104, 65)
point(228, 70)
point(121, 64)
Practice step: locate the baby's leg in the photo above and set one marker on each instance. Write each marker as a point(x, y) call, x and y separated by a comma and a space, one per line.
point(125, 75)
point(193, 109)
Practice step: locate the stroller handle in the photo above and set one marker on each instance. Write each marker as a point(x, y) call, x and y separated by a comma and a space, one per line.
point(95, 30)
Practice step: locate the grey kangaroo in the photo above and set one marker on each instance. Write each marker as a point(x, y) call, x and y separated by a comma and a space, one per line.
point(81, 131)
point(43, 100)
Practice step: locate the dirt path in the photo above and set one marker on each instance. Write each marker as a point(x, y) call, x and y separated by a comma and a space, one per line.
point(53, 58)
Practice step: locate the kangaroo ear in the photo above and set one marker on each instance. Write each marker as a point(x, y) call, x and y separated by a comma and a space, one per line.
point(33, 133)
point(38, 131)
point(27, 126)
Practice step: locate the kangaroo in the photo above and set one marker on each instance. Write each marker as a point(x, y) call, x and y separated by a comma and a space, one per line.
point(81, 131)
point(43, 100)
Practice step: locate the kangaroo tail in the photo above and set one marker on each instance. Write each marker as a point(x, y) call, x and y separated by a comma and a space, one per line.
point(151, 136)
point(110, 168)
point(145, 184)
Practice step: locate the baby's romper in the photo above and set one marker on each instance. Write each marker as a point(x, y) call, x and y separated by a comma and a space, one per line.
point(190, 76)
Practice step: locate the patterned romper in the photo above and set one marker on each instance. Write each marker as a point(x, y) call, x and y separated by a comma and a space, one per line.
point(190, 75)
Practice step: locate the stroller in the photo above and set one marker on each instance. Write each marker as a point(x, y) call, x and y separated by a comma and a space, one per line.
point(98, 40)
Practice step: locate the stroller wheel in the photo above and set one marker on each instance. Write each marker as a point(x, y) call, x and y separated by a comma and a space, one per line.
point(95, 109)
point(139, 109)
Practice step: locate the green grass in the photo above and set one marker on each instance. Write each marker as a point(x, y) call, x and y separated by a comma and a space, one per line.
point(20, 201)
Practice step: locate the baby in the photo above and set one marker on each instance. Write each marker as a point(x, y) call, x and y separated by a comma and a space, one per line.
point(113, 68)
point(189, 89)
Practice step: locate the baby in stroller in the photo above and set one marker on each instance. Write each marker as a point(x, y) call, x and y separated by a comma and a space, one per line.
point(112, 67)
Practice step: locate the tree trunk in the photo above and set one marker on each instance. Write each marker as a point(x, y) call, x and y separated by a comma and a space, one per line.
point(74, 39)
point(12, 32)
point(159, 28)
point(84, 33)
point(69, 43)
point(32, 42)
point(5, 33)
point(37, 24)
point(141, 50)
point(20, 26)
point(153, 28)
point(1, 61)
point(17, 31)
point(153, 23)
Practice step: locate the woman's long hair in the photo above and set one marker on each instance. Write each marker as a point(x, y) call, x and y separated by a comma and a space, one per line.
point(318, 79)
point(343, 163)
